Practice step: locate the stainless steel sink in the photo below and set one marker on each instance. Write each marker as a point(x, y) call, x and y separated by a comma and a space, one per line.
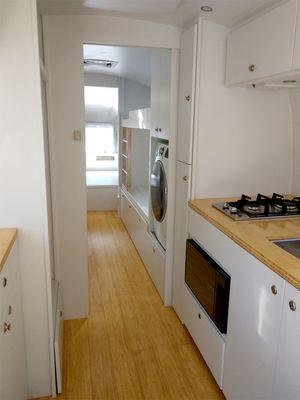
point(292, 246)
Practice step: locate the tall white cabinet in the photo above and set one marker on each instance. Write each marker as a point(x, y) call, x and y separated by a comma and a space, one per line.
point(186, 99)
point(185, 137)
point(13, 375)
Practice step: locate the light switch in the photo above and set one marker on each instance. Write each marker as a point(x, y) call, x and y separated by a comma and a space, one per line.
point(77, 135)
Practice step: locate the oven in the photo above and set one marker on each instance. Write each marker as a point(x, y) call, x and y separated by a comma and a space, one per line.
point(209, 283)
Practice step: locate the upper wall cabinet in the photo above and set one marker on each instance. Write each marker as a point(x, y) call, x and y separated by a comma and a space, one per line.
point(263, 47)
point(160, 94)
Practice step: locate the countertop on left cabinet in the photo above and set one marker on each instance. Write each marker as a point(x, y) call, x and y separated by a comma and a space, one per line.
point(7, 239)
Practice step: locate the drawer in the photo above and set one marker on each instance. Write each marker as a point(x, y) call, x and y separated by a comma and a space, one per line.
point(205, 335)
point(155, 264)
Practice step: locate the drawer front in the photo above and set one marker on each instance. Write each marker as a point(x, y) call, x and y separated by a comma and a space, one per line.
point(208, 340)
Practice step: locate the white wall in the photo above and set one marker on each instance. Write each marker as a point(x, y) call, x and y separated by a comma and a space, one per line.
point(22, 178)
point(140, 157)
point(65, 36)
point(102, 198)
point(136, 96)
point(245, 136)
point(295, 106)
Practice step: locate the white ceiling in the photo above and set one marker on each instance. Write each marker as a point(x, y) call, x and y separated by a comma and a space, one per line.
point(172, 12)
point(133, 62)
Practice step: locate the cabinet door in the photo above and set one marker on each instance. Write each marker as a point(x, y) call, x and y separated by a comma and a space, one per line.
point(263, 47)
point(287, 382)
point(155, 94)
point(165, 84)
point(296, 59)
point(253, 332)
point(160, 93)
point(187, 78)
point(183, 177)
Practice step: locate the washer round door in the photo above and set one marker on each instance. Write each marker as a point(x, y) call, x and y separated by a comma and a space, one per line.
point(159, 191)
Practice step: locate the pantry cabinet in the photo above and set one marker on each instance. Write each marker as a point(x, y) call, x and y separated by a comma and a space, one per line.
point(186, 100)
point(160, 93)
point(287, 382)
point(13, 379)
point(262, 47)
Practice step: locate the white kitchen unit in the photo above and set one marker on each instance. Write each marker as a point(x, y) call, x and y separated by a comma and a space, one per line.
point(148, 248)
point(263, 47)
point(160, 94)
point(186, 99)
point(183, 179)
point(287, 382)
point(254, 319)
point(13, 374)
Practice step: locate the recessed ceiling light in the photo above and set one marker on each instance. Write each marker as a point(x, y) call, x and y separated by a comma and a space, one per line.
point(206, 8)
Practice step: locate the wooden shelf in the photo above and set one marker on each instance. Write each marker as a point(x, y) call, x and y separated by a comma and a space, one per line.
point(126, 153)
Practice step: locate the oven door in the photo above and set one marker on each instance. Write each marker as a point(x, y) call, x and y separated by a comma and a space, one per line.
point(200, 276)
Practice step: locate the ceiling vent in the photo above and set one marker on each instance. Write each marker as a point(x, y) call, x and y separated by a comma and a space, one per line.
point(100, 63)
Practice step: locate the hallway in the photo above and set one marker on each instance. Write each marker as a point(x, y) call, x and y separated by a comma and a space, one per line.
point(131, 347)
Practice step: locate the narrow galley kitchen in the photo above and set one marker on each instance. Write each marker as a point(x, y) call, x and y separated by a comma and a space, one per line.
point(128, 342)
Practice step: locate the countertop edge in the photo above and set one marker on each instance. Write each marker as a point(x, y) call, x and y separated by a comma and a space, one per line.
point(246, 246)
point(7, 240)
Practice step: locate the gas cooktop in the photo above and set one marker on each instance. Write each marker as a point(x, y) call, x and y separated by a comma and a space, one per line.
point(262, 207)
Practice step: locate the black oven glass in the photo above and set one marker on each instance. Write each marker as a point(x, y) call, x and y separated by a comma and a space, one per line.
point(209, 283)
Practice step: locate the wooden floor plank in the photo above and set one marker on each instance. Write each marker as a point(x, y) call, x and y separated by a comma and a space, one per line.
point(131, 347)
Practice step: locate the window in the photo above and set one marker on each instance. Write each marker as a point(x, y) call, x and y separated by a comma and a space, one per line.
point(101, 137)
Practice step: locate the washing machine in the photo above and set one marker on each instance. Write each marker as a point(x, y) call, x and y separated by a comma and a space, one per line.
point(159, 192)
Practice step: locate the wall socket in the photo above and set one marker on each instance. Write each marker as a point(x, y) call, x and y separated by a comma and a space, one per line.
point(77, 135)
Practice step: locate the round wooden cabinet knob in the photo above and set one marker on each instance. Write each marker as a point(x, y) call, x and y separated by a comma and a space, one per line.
point(251, 68)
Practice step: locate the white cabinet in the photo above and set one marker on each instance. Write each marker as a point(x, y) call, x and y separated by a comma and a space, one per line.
point(208, 340)
point(263, 47)
point(287, 379)
point(148, 248)
point(13, 379)
point(186, 101)
point(253, 332)
point(160, 93)
point(183, 177)
point(296, 60)
point(255, 308)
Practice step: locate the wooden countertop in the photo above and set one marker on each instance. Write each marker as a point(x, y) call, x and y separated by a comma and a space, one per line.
point(256, 236)
point(7, 239)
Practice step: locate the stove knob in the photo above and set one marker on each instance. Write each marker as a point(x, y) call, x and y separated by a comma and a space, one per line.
point(233, 210)
point(225, 206)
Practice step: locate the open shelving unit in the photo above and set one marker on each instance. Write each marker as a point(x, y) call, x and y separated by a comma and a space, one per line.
point(126, 136)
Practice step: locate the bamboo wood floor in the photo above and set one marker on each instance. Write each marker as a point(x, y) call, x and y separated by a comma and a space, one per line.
point(131, 347)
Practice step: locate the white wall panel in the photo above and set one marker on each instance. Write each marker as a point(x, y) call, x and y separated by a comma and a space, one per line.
point(245, 139)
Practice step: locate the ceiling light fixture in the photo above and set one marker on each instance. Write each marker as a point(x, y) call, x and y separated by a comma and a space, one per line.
point(206, 8)
point(100, 63)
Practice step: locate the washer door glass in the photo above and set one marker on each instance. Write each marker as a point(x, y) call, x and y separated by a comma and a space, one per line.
point(158, 191)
